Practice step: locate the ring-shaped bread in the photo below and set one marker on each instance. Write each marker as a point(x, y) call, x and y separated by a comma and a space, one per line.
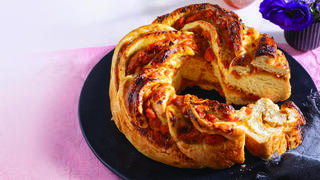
point(207, 46)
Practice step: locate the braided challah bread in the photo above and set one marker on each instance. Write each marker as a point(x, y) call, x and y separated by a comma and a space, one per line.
point(207, 46)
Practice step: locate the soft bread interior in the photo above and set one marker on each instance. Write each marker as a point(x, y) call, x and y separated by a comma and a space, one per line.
point(267, 127)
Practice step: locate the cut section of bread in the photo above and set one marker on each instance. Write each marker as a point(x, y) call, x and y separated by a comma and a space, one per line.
point(269, 129)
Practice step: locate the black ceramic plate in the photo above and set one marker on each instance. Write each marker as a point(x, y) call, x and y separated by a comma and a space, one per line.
point(116, 152)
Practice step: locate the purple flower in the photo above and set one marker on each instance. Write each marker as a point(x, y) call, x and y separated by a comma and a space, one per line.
point(306, 1)
point(289, 16)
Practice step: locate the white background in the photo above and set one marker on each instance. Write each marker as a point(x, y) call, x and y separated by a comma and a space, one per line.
point(49, 25)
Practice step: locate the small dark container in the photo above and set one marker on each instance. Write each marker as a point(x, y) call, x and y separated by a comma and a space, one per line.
point(307, 39)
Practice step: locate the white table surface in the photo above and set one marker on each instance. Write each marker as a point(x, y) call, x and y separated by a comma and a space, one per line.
point(47, 25)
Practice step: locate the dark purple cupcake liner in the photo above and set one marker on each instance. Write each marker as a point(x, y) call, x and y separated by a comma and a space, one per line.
point(305, 40)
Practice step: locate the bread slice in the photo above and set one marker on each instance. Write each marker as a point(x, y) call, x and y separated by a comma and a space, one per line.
point(269, 129)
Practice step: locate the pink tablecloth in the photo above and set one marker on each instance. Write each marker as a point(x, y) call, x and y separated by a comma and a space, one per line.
point(39, 132)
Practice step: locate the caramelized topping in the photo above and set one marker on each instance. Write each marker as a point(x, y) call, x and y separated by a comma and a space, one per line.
point(209, 55)
point(158, 131)
point(228, 24)
point(267, 46)
point(190, 135)
point(151, 114)
point(143, 57)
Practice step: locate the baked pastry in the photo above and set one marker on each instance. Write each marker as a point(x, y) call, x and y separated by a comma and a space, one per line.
point(207, 46)
point(269, 129)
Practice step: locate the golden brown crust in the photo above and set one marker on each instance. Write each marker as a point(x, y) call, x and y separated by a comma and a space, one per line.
point(154, 62)
point(266, 46)
point(215, 145)
point(268, 58)
point(293, 128)
point(227, 22)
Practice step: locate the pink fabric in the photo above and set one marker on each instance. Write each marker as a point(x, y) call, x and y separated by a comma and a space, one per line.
point(39, 132)
point(40, 135)
point(310, 60)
